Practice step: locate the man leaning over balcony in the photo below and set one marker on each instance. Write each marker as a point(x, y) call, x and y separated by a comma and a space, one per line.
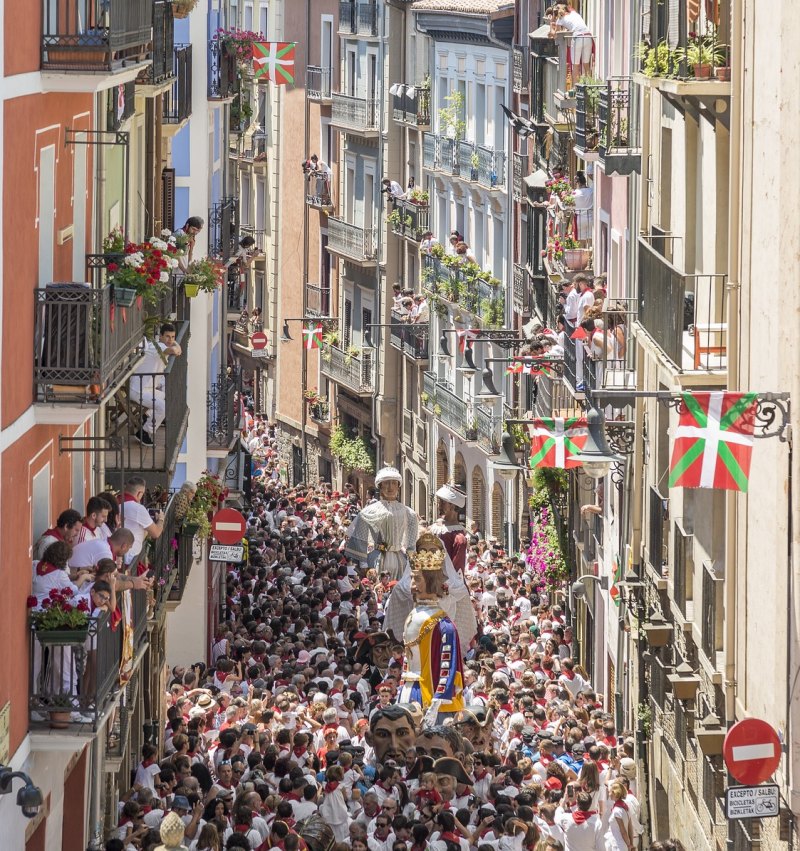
point(138, 519)
point(147, 381)
point(91, 553)
point(67, 529)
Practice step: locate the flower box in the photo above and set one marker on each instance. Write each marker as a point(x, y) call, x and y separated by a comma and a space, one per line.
point(62, 636)
point(577, 259)
point(191, 290)
point(124, 296)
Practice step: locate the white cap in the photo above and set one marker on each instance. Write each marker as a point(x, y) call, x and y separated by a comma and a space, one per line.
point(452, 494)
point(388, 474)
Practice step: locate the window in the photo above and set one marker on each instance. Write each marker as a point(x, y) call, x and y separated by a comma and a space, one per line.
point(347, 324)
point(712, 612)
point(244, 205)
point(47, 211)
point(683, 569)
point(498, 247)
point(326, 43)
point(248, 17)
point(264, 21)
point(40, 503)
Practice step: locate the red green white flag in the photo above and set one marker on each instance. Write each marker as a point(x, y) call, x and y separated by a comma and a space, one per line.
point(312, 337)
point(714, 441)
point(274, 60)
point(554, 440)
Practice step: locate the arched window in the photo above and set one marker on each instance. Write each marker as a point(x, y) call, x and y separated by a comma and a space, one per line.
point(423, 509)
point(459, 471)
point(442, 466)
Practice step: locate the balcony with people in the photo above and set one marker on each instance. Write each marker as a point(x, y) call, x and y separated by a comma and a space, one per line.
point(98, 579)
point(90, 36)
point(410, 324)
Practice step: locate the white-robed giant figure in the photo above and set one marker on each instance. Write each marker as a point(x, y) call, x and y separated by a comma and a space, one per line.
point(457, 602)
point(386, 528)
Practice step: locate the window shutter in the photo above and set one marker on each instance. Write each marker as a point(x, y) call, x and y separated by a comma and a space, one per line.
point(479, 499)
point(497, 511)
point(168, 198)
point(441, 467)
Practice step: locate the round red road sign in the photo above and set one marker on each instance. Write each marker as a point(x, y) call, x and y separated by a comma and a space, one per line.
point(228, 526)
point(259, 340)
point(752, 751)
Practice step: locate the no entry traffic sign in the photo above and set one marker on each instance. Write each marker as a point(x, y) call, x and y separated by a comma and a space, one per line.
point(259, 340)
point(752, 751)
point(228, 526)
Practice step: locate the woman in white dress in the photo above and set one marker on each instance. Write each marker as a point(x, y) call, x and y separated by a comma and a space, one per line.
point(621, 834)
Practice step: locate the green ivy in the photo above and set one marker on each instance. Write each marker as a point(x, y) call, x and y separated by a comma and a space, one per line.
point(353, 453)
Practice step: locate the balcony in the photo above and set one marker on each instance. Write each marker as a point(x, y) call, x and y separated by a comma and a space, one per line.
point(183, 567)
point(473, 163)
point(120, 106)
point(439, 399)
point(463, 287)
point(489, 430)
point(318, 191)
point(178, 99)
point(522, 290)
point(520, 171)
point(409, 219)
point(410, 338)
point(157, 76)
point(618, 146)
point(130, 412)
point(358, 18)
point(223, 73)
point(587, 119)
point(355, 372)
point(84, 344)
point(351, 241)
point(222, 417)
point(163, 558)
point(318, 300)
point(360, 115)
point(520, 69)
point(685, 315)
point(318, 83)
point(223, 228)
point(96, 35)
point(320, 412)
point(411, 104)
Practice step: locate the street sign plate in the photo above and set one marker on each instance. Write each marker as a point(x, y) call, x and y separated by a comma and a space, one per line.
point(259, 353)
point(218, 552)
point(228, 526)
point(752, 751)
point(752, 801)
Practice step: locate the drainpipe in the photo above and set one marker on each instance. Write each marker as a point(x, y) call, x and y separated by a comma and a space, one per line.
point(303, 351)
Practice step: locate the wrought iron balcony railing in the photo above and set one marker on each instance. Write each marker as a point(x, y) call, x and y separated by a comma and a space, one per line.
point(355, 113)
point(618, 143)
point(352, 241)
point(84, 342)
point(490, 430)
point(480, 164)
point(481, 295)
point(520, 71)
point(178, 100)
point(223, 75)
point(519, 173)
point(223, 228)
point(358, 18)
point(161, 70)
point(446, 407)
point(95, 35)
point(354, 371)
point(145, 401)
point(411, 104)
point(185, 561)
point(409, 219)
point(587, 116)
point(222, 402)
point(318, 83)
point(410, 338)
point(318, 191)
point(318, 300)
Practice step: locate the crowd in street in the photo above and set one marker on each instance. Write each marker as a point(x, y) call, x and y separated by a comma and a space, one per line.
point(290, 734)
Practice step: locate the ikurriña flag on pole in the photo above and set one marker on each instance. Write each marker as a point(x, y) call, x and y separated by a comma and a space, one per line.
point(554, 440)
point(312, 336)
point(274, 60)
point(713, 443)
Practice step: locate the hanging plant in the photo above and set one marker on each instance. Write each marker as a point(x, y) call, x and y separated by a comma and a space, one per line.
point(353, 453)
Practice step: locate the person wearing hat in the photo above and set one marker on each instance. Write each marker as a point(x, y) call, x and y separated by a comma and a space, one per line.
point(386, 527)
point(475, 723)
point(450, 774)
point(449, 527)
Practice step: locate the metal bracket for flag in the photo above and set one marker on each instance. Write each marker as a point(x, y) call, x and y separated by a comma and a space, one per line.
point(771, 419)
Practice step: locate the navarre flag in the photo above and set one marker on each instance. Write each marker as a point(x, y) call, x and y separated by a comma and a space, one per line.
point(274, 60)
point(615, 580)
point(553, 440)
point(465, 337)
point(714, 441)
point(312, 337)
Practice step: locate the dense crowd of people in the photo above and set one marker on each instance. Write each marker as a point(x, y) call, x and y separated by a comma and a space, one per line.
point(291, 735)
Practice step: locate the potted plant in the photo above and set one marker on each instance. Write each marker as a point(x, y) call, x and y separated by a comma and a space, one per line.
point(206, 275)
point(394, 219)
point(437, 409)
point(58, 619)
point(471, 433)
point(575, 257)
point(182, 8)
point(331, 338)
point(210, 492)
point(419, 197)
point(311, 396)
point(143, 270)
point(238, 43)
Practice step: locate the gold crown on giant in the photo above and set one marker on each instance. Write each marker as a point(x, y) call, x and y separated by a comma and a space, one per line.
point(429, 554)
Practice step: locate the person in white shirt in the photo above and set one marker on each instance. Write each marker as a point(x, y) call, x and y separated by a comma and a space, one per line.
point(137, 518)
point(584, 207)
point(581, 43)
point(147, 381)
point(97, 510)
point(583, 829)
point(393, 189)
point(571, 296)
point(585, 301)
point(89, 553)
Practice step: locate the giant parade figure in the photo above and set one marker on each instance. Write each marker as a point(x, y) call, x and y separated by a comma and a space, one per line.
point(433, 664)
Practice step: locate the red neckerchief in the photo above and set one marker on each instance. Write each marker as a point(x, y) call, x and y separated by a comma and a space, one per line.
point(541, 701)
point(449, 836)
point(53, 533)
point(44, 567)
point(332, 786)
point(298, 752)
point(146, 763)
point(87, 524)
point(579, 816)
point(479, 775)
point(241, 828)
point(128, 497)
point(621, 804)
point(609, 740)
point(544, 759)
point(570, 675)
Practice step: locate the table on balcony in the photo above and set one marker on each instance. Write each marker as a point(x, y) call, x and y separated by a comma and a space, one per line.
point(95, 35)
point(355, 372)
